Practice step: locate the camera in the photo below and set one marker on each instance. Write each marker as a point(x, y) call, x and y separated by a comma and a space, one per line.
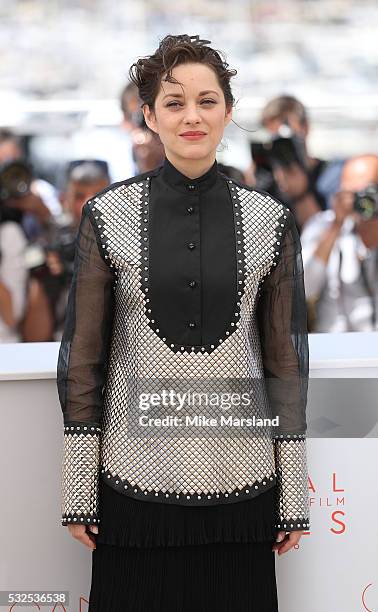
point(366, 201)
point(283, 149)
point(59, 237)
point(15, 179)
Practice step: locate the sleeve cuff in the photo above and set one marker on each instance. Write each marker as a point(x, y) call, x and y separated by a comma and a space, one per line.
point(292, 501)
point(80, 474)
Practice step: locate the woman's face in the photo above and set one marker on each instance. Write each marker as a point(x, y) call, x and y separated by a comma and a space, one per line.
point(197, 105)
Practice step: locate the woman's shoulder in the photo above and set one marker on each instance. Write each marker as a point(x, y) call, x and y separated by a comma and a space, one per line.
point(133, 180)
point(251, 189)
point(257, 200)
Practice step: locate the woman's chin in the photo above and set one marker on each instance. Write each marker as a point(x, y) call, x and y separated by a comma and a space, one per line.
point(195, 151)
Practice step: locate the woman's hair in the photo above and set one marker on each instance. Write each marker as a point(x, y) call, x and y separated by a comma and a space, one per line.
point(147, 72)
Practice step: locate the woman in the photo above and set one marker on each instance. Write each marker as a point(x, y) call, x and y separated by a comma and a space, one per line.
point(185, 276)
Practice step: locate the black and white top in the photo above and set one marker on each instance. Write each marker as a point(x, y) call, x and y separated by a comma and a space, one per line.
point(185, 285)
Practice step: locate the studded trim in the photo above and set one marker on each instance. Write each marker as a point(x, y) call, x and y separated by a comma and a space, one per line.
point(83, 519)
point(280, 229)
point(185, 498)
point(287, 436)
point(144, 273)
point(279, 233)
point(292, 507)
point(293, 524)
point(97, 222)
point(80, 469)
point(77, 429)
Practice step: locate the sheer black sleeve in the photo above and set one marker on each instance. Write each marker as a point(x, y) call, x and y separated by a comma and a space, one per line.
point(81, 372)
point(282, 318)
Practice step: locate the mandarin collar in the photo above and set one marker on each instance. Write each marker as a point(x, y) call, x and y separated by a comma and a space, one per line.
point(184, 184)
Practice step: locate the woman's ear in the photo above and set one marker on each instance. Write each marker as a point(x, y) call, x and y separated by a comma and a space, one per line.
point(149, 117)
point(228, 115)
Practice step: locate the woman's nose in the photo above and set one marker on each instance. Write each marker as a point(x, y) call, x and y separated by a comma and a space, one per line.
point(192, 114)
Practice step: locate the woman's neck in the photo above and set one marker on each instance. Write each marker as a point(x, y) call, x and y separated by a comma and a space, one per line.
point(192, 168)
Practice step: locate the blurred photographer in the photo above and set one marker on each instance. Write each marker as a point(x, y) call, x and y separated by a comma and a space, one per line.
point(147, 150)
point(111, 143)
point(13, 274)
point(85, 178)
point(284, 167)
point(38, 201)
point(340, 253)
point(129, 148)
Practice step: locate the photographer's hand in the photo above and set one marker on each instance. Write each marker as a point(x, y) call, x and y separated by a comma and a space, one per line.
point(292, 180)
point(54, 263)
point(6, 307)
point(367, 229)
point(343, 207)
point(33, 204)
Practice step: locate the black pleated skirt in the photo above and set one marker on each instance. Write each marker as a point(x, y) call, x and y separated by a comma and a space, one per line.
point(208, 578)
point(160, 557)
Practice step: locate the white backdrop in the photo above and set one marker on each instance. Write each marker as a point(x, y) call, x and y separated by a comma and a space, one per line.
point(333, 570)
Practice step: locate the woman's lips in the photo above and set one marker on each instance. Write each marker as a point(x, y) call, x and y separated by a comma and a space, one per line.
point(193, 136)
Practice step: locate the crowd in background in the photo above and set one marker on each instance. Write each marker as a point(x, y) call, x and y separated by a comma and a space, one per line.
point(334, 202)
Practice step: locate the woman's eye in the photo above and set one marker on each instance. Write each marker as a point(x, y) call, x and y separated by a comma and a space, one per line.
point(175, 104)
